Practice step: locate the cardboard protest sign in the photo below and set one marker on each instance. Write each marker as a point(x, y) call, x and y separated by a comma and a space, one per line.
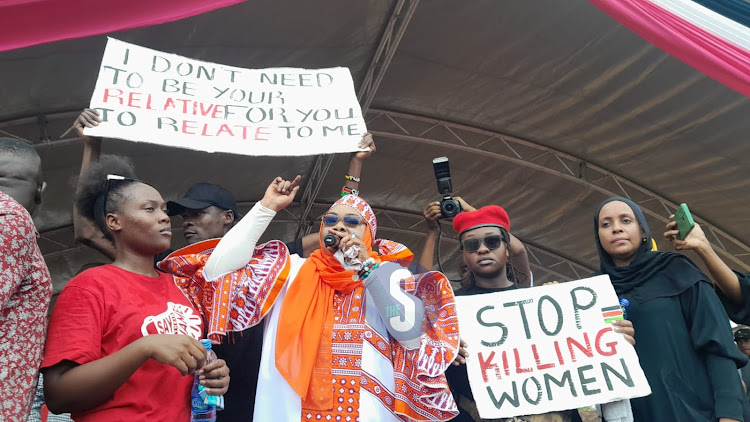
point(149, 96)
point(547, 348)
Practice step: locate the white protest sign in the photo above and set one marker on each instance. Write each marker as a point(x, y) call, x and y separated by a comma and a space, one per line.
point(149, 96)
point(547, 349)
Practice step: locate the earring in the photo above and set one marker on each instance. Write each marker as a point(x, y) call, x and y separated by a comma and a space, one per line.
point(644, 240)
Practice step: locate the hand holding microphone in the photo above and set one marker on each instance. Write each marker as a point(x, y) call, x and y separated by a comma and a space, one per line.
point(347, 243)
point(331, 240)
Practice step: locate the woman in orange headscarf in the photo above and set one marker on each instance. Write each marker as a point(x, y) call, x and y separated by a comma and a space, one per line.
point(341, 342)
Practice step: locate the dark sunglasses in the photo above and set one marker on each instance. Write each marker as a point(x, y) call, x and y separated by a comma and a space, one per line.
point(492, 242)
point(330, 220)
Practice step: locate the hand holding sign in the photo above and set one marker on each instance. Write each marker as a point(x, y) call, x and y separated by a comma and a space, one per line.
point(549, 348)
point(462, 354)
point(625, 328)
point(365, 143)
point(87, 118)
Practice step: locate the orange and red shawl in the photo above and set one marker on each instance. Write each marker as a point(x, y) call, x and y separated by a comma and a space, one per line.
point(237, 300)
point(307, 314)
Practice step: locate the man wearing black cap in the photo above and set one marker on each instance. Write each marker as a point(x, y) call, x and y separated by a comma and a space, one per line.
point(207, 210)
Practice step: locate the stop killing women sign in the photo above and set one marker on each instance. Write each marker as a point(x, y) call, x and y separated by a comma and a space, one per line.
point(146, 95)
point(547, 349)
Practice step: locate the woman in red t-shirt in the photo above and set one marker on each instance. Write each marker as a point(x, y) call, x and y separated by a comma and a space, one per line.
point(123, 338)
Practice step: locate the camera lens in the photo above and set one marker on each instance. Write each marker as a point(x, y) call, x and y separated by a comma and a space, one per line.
point(450, 208)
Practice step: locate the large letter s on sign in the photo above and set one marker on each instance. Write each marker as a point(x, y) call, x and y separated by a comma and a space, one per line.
point(404, 322)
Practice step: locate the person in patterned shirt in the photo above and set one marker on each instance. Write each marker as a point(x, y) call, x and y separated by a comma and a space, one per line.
point(25, 284)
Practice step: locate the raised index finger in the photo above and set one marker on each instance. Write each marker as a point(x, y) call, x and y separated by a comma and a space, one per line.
point(295, 182)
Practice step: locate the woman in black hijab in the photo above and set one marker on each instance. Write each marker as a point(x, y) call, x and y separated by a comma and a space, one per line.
point(682, 332)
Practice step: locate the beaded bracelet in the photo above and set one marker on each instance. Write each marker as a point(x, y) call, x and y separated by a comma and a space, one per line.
point(352, 178)
point(349, 191)
point(367, 265)
point(366, 271)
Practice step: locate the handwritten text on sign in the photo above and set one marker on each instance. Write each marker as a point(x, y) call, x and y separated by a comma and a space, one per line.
point(548, 348)
point(150, 96)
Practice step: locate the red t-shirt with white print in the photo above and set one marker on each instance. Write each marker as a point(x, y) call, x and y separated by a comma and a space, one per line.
point(102, 310)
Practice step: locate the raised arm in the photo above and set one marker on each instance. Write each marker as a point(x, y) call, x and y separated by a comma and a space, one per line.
point(86, 232)
point(722, 275)
point(431, 215)
point(519, 259)
point(310, 242)
point(356, 161)
point(236, 248)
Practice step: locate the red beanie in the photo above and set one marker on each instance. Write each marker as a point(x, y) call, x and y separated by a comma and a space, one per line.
point(489, 216)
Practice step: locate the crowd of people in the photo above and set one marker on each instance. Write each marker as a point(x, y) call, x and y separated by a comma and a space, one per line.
point(304, 326)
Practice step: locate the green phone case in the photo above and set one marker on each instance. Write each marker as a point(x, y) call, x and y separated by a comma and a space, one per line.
point(684, 221)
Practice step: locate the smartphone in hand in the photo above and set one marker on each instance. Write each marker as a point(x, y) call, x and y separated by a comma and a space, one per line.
point(684, 221)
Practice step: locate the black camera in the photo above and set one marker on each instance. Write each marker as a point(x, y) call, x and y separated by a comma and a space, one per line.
point(449, 207)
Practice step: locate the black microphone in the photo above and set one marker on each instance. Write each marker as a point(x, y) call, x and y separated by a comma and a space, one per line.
point(331, 240)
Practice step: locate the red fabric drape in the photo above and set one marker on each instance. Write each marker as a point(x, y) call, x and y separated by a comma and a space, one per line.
point(29, 22)
point(708, 53)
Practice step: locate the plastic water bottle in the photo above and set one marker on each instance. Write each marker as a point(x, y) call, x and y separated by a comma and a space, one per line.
point(200, 410)
point(624, 305)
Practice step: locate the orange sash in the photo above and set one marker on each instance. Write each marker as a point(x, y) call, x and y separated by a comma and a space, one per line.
point(303, 340)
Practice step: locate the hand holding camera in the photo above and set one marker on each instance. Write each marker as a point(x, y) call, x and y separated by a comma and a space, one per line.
point(449, 207)
point(431, 215)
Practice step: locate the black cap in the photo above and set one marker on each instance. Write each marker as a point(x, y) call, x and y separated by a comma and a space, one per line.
point(742, 333)
point(203, 195)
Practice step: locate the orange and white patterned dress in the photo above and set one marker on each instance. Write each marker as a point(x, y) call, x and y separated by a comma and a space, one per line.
point(373, 377)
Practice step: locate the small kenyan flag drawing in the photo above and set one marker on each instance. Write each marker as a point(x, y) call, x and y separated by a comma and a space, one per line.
point(612, 313)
